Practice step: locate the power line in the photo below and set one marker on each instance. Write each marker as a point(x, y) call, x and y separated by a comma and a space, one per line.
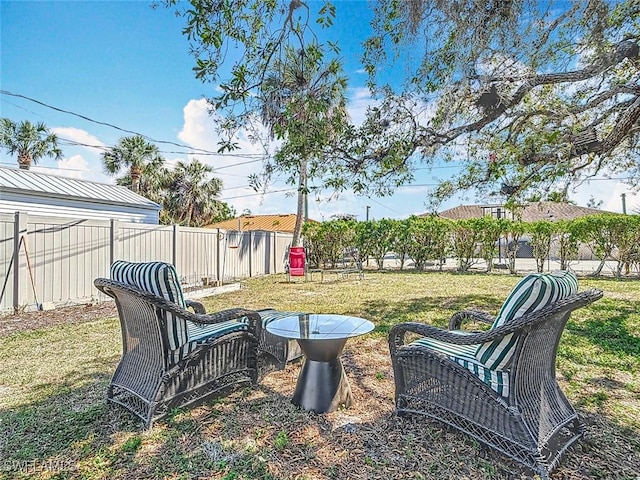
point(84, 117)
point(259, 156)
point(260, 193)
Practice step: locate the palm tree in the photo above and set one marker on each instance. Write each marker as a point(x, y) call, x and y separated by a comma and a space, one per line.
point(134, 153)
point(153, 183)
point(192, 196)
point(30, 141)
point(303, 102)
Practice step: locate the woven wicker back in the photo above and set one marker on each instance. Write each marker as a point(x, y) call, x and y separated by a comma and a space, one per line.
point(142, 339)
point(533, 381)
point(161, 279)
point(531, 294)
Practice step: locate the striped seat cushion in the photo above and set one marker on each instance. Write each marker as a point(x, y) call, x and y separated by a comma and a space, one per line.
point(162, 280)
point(464, 355)
point(532, 293)
point(200, 334)
point(196, 333)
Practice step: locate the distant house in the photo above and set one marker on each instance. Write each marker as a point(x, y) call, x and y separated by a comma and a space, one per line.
point(51, 195)
point(532, 212)
point(269, 223)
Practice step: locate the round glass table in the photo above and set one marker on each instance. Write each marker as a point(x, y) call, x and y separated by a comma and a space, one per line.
point(322, 384)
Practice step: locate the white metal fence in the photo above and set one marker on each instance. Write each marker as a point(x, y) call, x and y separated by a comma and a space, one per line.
point(55, 260)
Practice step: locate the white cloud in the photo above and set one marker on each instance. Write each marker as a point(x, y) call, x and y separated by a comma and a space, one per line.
point(360, 100)
point(234, 168)
point(614, 202)
point(75, 166)
point(606, 191)
point(79, 136)
point(80, 161)
point(199, 131)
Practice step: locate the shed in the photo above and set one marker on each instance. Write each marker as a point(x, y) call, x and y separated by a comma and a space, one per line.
point(51, 195)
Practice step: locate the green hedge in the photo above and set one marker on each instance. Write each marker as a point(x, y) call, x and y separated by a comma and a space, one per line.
point(432, 239)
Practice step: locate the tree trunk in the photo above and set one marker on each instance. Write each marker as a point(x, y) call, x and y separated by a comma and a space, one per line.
point(136, 173)
point(24, 160)
point(302, 194)
point(598, 270)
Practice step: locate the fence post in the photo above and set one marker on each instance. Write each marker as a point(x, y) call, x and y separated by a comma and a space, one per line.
point(19, 229)
point(250, 253)
point(274, 252)
point(218, 262)
point(114, 240)
point(174, 245)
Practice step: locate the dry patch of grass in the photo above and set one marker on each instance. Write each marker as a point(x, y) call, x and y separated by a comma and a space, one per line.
point(54, 422)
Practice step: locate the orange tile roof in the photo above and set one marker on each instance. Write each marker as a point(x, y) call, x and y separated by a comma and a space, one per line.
point(270, 223)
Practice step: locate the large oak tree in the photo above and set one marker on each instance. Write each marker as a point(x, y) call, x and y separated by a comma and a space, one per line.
point(526, 94)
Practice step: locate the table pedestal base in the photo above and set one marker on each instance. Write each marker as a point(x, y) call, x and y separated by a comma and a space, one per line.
point(322, 386)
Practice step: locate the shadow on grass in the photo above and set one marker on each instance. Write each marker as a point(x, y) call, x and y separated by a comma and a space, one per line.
point(256, 433)
point(58, 430)
point(423, 309)
point(605, 326)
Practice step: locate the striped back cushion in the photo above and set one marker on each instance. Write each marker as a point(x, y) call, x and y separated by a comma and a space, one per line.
point(532, 293)
point(162, 280)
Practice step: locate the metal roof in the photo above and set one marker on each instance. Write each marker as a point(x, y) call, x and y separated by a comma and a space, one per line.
point(18, 180)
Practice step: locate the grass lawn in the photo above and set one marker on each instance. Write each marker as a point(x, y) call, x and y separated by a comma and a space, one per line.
point(54, 422)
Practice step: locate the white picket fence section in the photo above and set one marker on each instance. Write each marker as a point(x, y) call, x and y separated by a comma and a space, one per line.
point(54, 260)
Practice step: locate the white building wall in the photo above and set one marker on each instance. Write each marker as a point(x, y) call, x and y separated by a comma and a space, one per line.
point(11, 202)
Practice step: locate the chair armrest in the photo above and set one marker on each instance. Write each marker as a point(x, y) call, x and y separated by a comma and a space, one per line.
point(566, 306)
point(398, 333)
point(196, 306)
point(224, 316)
point(455, 323)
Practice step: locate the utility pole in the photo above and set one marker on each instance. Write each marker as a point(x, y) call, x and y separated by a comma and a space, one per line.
point(624, 202)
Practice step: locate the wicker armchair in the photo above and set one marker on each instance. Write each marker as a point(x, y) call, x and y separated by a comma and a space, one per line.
point(173, 358)
point(275, 351)
point(498, 386)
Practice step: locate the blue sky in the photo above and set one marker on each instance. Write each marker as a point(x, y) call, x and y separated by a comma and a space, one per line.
point(128, 65)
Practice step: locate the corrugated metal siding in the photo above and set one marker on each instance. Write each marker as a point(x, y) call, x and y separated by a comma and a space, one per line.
point(66, 255)
point(269, 223)
point(43, 194)
point(197, 254)
point(6, 255)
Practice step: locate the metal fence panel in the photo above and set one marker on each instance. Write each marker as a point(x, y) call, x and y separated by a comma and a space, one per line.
point(145, 243)
point(197, 256)
point(65, 255)
point(7, 223)
point(261, 247)
point(283, 241)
